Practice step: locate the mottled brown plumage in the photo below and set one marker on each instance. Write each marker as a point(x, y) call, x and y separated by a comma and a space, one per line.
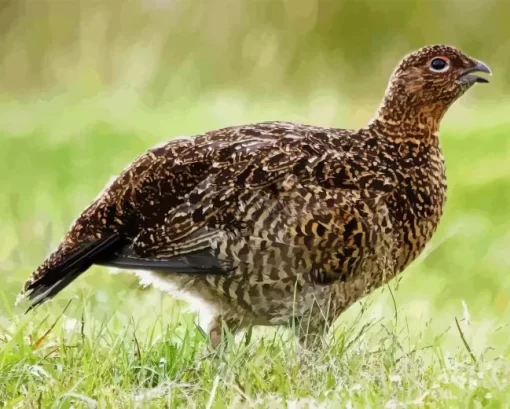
point(276, 222)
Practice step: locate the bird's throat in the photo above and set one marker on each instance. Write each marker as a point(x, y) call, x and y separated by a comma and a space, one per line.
point(400, 118)
point(421, 125)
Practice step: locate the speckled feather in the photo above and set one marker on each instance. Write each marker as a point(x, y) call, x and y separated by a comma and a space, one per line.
point(276, 221)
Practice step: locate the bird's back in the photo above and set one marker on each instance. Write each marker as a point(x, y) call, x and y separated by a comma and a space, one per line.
point(172, 201)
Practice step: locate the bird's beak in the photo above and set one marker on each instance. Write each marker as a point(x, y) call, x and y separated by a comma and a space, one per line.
point(478, 66)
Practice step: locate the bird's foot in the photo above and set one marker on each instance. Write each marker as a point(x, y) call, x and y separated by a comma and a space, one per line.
point(215, 337)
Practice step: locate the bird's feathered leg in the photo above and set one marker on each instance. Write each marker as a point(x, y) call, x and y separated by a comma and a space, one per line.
point(219, 325)
point(312, 328)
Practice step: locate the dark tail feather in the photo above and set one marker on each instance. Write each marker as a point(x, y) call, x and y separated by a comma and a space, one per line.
point(62, 267)
point(198, 262)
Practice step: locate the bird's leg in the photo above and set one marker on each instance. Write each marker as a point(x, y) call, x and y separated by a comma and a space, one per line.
point(312, 327)
point(311, 334)
point(215, 336)
point(219, 325)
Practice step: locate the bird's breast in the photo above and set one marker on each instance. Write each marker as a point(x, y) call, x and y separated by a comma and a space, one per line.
point(417, 206)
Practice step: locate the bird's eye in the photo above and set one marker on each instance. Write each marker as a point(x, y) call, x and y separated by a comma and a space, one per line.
point(439, 65)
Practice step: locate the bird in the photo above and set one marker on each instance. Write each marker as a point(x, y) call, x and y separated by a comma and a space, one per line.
point(278, 223)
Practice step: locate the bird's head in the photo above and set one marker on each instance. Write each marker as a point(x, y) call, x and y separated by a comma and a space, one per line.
point(437, 73)
point(429, 80)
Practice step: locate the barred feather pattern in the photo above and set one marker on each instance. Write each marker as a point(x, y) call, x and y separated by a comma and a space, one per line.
point(274, 221)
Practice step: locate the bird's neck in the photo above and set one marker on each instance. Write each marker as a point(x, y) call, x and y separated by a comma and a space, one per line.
point(402, 119)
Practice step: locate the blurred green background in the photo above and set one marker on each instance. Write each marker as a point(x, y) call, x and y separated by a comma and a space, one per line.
point(85, 86)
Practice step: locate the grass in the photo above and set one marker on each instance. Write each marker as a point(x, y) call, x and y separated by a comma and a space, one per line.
point(437, 337)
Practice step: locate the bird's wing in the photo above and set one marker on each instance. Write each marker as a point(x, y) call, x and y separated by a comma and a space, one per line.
point(170, 207)
point(322, 233)
point(326, 211)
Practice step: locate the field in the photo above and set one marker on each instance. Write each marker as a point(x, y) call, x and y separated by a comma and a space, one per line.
point(86, 86)
point(437, 337)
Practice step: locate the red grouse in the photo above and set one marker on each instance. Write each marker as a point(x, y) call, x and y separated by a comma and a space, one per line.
point(276, 222)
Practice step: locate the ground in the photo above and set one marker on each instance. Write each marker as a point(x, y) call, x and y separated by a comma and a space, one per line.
point(437, 337)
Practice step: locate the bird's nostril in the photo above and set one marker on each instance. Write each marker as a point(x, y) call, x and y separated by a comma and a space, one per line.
point(468, 76)
point(478, 67)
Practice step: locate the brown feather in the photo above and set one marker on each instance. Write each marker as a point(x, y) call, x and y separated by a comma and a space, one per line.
point(277, 221)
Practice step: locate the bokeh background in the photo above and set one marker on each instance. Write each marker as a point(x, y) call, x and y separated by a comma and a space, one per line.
point(86, 86)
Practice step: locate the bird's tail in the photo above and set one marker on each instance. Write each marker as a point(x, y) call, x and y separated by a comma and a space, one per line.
point(63, 266)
